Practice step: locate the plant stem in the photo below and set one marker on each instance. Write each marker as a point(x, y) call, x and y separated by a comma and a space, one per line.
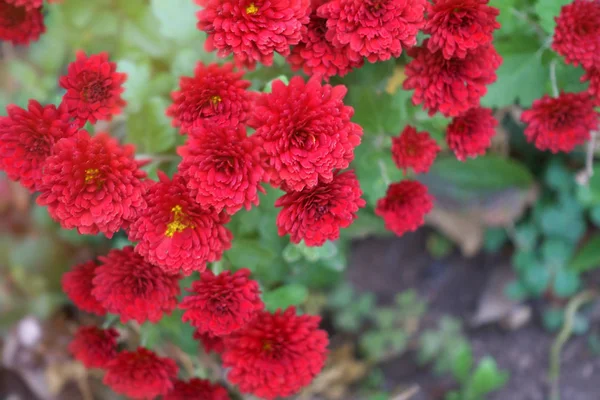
point(555, 92)
point(572, 307)
point(157, 157)
point(384, 174)
point(583, 177)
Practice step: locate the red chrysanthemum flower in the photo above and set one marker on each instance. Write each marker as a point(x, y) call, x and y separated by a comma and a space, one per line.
point(470, 134)
point(316, 215)
point(577, 33)
point(215, 95)
point(450, 86)
point(176, 233)
point(315, 55)
point(459, 26)
point(210, 343)
point(376, 29)
point(20, 25)
point(94, 347)
point(404, 206)
point(140, 374)
point(27, 138)
point(197, 389)
point(252, 29)
point(77, 285)
point(222, 304)
point(223, 168)
point(593, 76)
point(306, 131)
point(94, 88)
point(28, 4)
point(412, 149)
point(277, 354)
point(560, 123)
point(127, 285)
point(92, 184)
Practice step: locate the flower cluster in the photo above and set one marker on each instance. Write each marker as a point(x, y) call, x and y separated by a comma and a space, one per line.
point(561, 123)
point(21, 21)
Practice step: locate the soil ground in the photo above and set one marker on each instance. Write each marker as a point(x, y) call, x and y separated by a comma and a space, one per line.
point(454, 286)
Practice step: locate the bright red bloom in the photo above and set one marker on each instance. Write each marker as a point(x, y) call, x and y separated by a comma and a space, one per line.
point(376, 29)
point(20, 25)
point(196, 389)
point(306, 131)
point(92, 184)
point(127, 285)
point(577, 33)
point(176, 233)
point(252, 29)
point(560, 123)
point(316, 214)
point(27, 138)
point(215, 95)
point(412, 149)
point(470, 134)
point(450, 86)
point(459, 26)
point(222, 167)
point(404, 206)
point(77, 284)
point(593, 76)
point(94, 347)
point(28, 4)
point(94, 88)
point(317, 56)
point(277, 354)
point(210, 342)
point(140, 374)
point(222, 304)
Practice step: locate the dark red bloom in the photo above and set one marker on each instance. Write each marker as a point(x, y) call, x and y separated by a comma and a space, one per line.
point(215, 95)
point(20, 25)
point(94, 347)
point(140, 374)
point(176, 233)
point(316, 214)
point(77, 285)
point(459, 26)
point(92, 184)
point(28, 4)
point(306, 131)
point(127, 285)
point(210, 342)
point(376, 29)
point(222, 304)
point(277, 354)
point(197, 389)
point(593, 76)
point(94, 88)
point(412, 149)
point(252, 29)
point(404, 206)
point(27, 138)
point(470, 134)
point(450, 86)
point(222, 167)
point(317, 56)
point(577, 33)
point(560, 123)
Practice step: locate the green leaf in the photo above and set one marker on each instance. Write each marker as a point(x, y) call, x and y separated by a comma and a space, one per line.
point(547, 10)
point(536, 277)
point(563, 219)
point(136, 85)
point(177, 18)
point(522, 76)
point(566, 283)
point(490, 172)
point(494, 239)
point(378, 113)
point(269, 85)
point(250, 254)
point(463, 363)
point(589, 195)
point(150, 129)
point(486, 378)
point(588, 257)
point(556, 252)
point(285, 296)
point(526, 236)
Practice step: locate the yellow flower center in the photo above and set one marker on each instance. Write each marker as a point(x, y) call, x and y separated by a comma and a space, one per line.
point(178, 224)
point(91, 175)
point(251, 9)
point(215, 100)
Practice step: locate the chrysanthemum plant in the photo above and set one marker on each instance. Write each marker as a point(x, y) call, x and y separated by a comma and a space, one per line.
point(293, 137)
